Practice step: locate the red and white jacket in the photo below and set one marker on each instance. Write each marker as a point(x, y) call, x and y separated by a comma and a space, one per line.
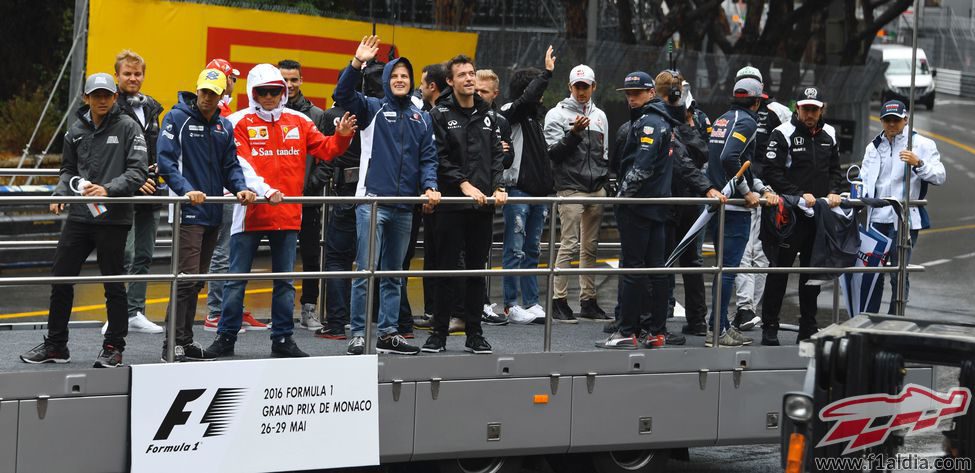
point(271, 149)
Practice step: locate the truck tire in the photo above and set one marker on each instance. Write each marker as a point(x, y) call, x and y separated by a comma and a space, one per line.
point(641, 461)
point(481, 465)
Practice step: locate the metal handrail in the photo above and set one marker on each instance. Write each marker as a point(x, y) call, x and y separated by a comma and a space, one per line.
point(371, 273)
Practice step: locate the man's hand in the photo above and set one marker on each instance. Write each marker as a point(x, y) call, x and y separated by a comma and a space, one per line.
point(909, 157)
point(196, 197)
point(716, 194)
point(580, 124)
point(500, 197)
point(771, 199)
point(56, 209)
point(469, 190)
point(148, 188)
point(95, 190)
point(275, 198)
point(346, 125)
point(810, 200)
point(505, 146)
point(246, 197)
point(432, 196)
point(549, 59)
point(366, 51)
point(834, 200)
point(752, 200)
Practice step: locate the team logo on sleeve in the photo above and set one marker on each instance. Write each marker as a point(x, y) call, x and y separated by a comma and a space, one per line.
point(648, 130)
point(739, 137)
point(257, 132)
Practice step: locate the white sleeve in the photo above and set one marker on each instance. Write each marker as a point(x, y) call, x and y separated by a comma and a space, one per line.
point(933, 170)
point(253, 180)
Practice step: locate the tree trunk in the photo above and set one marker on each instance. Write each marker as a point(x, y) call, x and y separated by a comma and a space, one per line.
point(576, 24)
point(624, 9)
point(453, 14)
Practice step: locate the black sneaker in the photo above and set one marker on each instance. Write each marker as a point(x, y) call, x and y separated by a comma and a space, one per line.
point(805, 332)
point(611, 327)
point(478, 345)
point(47, 352)
point(589, 309)
point(674, 338)
point(770, 336)
point(195, 352)
point(109, 357)
point(698, 329)
point(285, 347)
point(331, 333)
point(178, 355)
point(436, 343)
point(561, 311)
point(745, 320)
point(222, 346)
point(395, 344)
point(356, 346)
point(495, 319)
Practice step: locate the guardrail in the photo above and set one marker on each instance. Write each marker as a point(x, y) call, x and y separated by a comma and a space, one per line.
point(371, 273)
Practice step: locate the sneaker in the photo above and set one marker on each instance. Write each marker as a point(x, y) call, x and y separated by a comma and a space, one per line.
point(726, 340)
point(538, 310)
point(285, 347)
point(611, 326)
point(222, 346)
point(674, 338)
point(617, 341)
point(698, 329)
point(491, 318)
point(562, 312)
point(251, 323)
point(423, 322)
point(436, 343)
point(179, 355)
point(652, 341)
point(212, 321)
point(396, 345)
point(770, 336)
point(589, 309)
point(456, 326)
point(195, 352)
point(738, 336)
point(477, 345)
point(108, 357)
point(141, 324)
point(519, 315)
point(357, 346)
point(407, 335)
point(746, 319)
point(309, 317)
point(47, 352)
point(331, 333)
point(805, 332)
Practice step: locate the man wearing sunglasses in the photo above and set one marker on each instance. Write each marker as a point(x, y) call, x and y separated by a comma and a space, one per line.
point(802, 159)
point(272, 144)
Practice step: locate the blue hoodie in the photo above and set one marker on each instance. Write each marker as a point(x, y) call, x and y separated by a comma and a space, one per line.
point(399, 158)
point(198, 155)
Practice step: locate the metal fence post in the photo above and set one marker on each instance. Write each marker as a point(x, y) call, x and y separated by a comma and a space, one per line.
point(321, 263)
point(173, 287)
point(371, 285)
point(904, 232)
point(716, 306)
point(547, 347)
point(836, 300)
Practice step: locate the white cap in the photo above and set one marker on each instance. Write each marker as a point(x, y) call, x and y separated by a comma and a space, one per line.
point(749, 72)
point(582, 73)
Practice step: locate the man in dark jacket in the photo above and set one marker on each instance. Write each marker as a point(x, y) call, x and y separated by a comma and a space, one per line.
point(471, 164)
point(198, 158)
point(130, 70)
point(802, 159)
point(401, 161)
point(529, 175)
point(310, 235)
point(104, 156)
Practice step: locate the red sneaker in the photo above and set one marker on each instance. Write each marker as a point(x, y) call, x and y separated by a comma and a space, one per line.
point(251, 323)
point(213, 321)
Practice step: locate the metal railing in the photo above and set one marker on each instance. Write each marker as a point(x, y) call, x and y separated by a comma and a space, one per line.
point(371, 273)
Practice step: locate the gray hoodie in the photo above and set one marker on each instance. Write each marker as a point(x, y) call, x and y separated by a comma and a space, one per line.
point(579, 162)
point(114, 155)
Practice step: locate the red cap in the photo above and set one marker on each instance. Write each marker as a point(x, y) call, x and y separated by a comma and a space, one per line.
point(224, 66)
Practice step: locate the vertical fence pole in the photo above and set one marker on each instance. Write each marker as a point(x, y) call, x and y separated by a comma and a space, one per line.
point(551, 277)
point(173, 286)
point(371, 286)
point(904, 232)
point(836, 300)
point(321, 263)
point(716, 307)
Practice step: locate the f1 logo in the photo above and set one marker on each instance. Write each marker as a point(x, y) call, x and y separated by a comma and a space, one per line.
point(218, 415)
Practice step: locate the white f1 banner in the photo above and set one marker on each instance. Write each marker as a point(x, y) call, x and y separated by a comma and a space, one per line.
point(255, 415)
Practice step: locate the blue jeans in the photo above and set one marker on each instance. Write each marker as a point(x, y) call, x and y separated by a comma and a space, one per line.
point(736, 229)
point(220, 263)
point(243, 247)
point(523, 226)
point(138, 254)
point(392, 237)
point(339, 255)
point(873, 306)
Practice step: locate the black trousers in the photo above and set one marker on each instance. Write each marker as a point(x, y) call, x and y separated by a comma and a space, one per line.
point(76, 243)
point(695, 303)
point(799, 243)
point(196, 244)
point(309, 243)
point(466, 232)
point(642, 245)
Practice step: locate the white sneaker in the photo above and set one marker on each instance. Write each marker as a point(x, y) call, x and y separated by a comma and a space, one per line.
point(538, 310)
point(519, 315)
point(309, 317)
point(141, 324)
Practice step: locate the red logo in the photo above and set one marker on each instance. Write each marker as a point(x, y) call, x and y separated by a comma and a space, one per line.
point(916, 409)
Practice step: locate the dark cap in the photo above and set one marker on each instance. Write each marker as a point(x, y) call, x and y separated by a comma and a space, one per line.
point(810, 96)
point(893, 108)
point(638, 80)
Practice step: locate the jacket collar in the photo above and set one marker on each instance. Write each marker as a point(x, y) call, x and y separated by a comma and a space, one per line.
point(447, 100)
point(84, 116)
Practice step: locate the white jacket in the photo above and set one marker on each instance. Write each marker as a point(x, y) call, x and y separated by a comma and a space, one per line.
point(882, 173)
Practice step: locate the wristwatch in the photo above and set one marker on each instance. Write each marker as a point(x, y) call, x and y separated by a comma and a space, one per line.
point(502, 189)
point(919, 165)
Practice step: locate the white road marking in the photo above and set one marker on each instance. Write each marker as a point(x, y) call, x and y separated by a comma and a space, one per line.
point(959, 128)
point(959, 167)
point(970, 174)
point(947, 159)
point(970, 217)
point(936, 262)
point(965, 256)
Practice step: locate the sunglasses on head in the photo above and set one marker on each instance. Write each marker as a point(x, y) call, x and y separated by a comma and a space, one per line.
point(272, 91)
